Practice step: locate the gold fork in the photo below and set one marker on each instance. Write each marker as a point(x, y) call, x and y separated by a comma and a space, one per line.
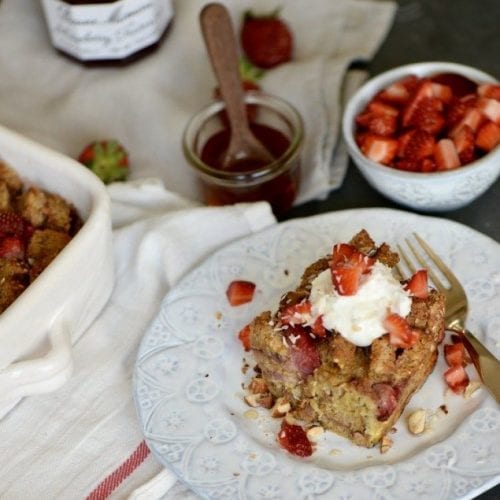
point(485, 362)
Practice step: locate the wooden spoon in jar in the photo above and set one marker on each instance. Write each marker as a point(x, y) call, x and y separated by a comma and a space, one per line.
point(220, 41)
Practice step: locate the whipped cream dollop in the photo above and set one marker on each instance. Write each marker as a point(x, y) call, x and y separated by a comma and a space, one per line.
point(359, 318)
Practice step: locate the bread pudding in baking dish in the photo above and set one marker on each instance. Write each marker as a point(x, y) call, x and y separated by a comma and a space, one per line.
point(35, 226)
point(350, 345)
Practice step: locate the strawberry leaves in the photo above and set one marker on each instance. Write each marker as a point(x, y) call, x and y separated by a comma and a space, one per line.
point(108, 159)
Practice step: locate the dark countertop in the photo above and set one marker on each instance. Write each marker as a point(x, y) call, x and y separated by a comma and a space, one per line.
point(461, 31)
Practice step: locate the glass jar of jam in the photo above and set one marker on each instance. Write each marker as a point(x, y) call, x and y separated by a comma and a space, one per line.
point(107, 31)
point(277, 125)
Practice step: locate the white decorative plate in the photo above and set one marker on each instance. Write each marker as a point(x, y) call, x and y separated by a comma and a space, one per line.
point(188, 377)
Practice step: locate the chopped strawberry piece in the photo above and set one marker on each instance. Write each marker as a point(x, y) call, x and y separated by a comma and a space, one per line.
point(442, 92)
point(240, 292)
point(11, 223)
point(415, 145)
point(410, 82)
point(387, 399)
point(378, 124)
point(380, 149)
point(341, 253)
point(380, 108)
point(344, 253)
point(400, 332)
point(318, 328)
point(396, 94)
point(490, 109)
point(458, 84)
point(465, 144)
point(294, 314)
point(446, 155)
point(304, 352)
point(293, 438)
point(457, 379)
point(365, 262)
point(244, 336)
point(488, 136)
point(300, 314)
point(428, 116)
point(472, 117)
point(417, 285)
point(346, 280)
point(347, 266)
point(454, 354)
point(423, 91)
point(11, 247)
point(489, 90)
point(456, 111)
point(428, 165)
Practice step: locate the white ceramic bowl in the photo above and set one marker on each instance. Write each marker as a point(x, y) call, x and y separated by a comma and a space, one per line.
point(436, 191)
point(38, 329)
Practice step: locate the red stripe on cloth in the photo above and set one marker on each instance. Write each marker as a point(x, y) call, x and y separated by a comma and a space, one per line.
point(109, 484)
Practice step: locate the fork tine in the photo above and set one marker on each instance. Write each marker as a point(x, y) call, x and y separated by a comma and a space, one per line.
point(439, 263)
point(399, 272)
point(424, 264)
point(406, 260)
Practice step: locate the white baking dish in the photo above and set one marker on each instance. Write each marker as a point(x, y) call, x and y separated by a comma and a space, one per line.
point(38, 329)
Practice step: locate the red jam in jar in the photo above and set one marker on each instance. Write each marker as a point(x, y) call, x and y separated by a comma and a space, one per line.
point(279, 191)
point(278, 127)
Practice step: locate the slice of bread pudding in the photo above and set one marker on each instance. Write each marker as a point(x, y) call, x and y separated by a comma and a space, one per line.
point(347, 349)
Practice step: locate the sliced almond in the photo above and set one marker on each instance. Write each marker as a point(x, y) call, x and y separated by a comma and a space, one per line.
point(290, 419)
point(313, 433)
point(280, 408)
point(252, 400)
point(258, 386)
point(266, 400)
point(416, 421)
point(259, 400)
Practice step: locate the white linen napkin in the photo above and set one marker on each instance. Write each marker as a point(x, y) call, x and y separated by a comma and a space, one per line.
point(63, 444)
point(146, 105)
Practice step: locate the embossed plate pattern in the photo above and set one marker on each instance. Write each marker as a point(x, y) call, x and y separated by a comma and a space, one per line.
point(188, 377)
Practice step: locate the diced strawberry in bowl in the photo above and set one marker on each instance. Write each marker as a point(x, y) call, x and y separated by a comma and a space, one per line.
point(426, 135)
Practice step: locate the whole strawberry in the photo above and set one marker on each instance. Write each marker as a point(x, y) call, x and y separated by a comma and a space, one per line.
point(107, 159)
point(266, 40)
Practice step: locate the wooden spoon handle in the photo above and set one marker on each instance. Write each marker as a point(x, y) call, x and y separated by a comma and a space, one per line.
point(221, 44)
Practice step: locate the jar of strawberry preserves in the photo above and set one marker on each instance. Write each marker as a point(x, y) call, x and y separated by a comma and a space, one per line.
point(107, 31)
point(278, 126)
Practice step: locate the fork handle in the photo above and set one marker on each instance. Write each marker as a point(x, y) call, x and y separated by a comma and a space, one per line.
point(486, 363)
point(472, 345)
